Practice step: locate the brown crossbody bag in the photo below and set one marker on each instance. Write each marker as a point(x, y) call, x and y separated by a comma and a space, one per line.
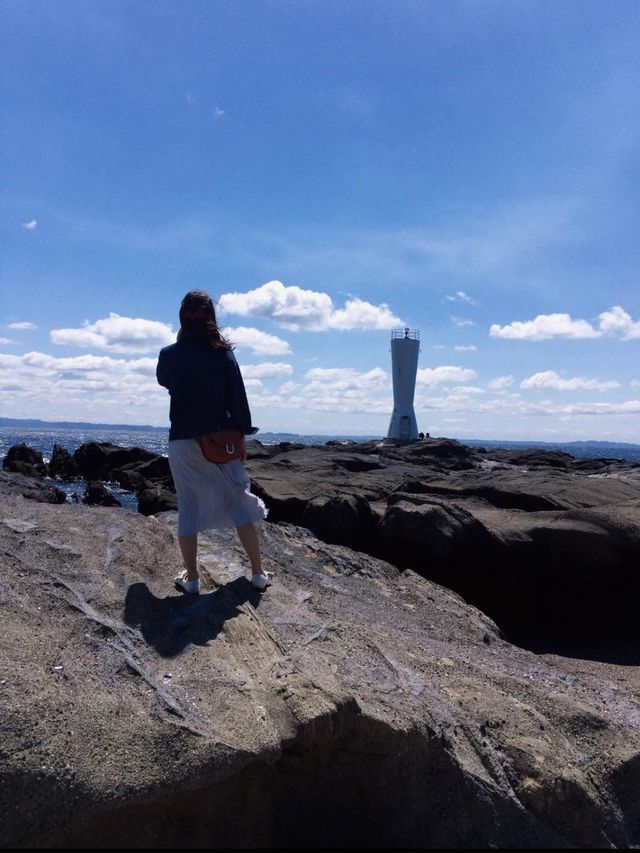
point(222, 446)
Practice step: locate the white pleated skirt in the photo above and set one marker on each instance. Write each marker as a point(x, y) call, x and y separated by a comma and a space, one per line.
point(210, 496)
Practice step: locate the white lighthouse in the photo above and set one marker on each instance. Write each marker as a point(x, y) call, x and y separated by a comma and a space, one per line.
point(405, 347)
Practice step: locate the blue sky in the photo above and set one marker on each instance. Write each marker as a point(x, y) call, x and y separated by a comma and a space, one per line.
point(328, 171)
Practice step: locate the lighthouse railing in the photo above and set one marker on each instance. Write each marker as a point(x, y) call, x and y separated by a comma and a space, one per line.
point(411, 334)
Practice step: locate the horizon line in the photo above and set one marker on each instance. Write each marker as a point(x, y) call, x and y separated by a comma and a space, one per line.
point(149, 427)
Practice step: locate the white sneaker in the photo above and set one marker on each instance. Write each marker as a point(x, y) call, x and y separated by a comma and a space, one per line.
point(261, 581)
point(190, 587)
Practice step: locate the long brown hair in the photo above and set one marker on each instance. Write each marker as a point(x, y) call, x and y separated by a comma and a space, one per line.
point(198, 321)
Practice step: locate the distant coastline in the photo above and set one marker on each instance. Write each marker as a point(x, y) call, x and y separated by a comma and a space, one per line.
point(35, 423)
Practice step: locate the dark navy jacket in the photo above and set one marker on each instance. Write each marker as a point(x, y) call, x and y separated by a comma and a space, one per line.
point(206, 388)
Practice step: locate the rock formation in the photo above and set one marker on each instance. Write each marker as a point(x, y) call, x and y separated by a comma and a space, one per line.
point(97, 494)
point(24, 460)
point(62, 465)
point(351, 705)
point(549, 552)
point(545, 544)
point(13, 483)
point(99, 460)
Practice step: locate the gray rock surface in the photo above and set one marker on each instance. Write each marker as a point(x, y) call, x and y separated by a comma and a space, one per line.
point(12, 483)
point(351, 705)
point(543, 543)
point(156, 498)
point(549, 548)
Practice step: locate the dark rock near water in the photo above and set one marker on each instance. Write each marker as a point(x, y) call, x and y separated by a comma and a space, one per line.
point(24, 460)
point(62, 465)
point(97, 494)
point(138, 476)
point(12, 483)
point(257, 450)
point(156, 498)
point(100, 460)
point(25, 468)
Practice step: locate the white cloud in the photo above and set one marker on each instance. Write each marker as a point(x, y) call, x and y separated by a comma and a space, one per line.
point(430, 376)
point(22, 325)
point(513, 404)
point(33, 223)
point(266, 370)
point(635, 383)
point(358, 314)
point(550, 379)
point(218, 113)
point(545, 326)
point(346, 378)
point(260, 343)
point(294, 308)
point(462, 321)
point(613, 323)
point(500, 383)
point(617, 321)
point(629, 407)
point(468, 348)
point(6, 341)
point(87, 387)
point(342, 390)
point(461, 296)
point(100, 387)
point(466, 390)
point(117, 334)
point(290, 307)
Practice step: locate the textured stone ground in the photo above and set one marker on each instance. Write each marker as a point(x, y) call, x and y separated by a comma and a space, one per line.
point(351, 705)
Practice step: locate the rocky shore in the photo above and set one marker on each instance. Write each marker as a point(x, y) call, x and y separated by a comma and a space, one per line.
point(547, 545)
point(449, 655)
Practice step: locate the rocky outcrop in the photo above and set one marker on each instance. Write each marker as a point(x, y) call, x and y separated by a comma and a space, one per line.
point(344, 519)
point(548, 552)
point(97, 494)
point(543, 543)
point(136, 476)
point(62, 465)
point(99, 460)
point(351, 704)
point(32, 489)
point(24, 460)
point(156, 498)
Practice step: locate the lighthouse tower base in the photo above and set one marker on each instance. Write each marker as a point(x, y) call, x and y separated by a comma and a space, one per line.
point(403, 425)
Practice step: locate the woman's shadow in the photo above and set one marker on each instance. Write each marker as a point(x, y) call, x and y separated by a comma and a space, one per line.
point(171, 624)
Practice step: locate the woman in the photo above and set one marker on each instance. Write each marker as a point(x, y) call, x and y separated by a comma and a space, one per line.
point(207, 395)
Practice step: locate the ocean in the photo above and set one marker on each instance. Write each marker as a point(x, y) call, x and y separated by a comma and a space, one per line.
point(42, 438)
